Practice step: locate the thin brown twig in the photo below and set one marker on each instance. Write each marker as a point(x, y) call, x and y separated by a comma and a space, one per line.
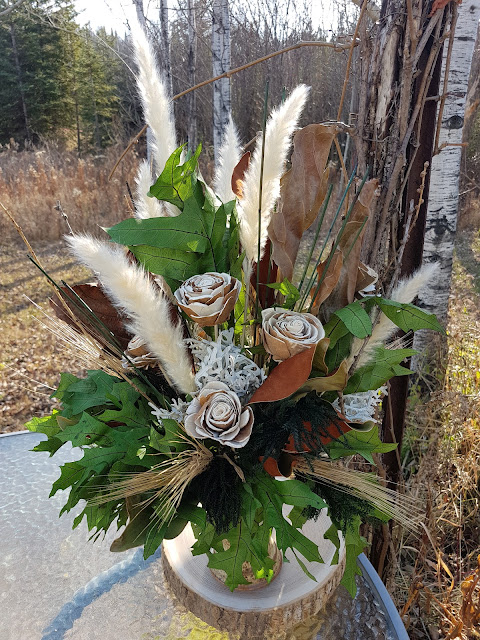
point(330, 45)
point(350, 57)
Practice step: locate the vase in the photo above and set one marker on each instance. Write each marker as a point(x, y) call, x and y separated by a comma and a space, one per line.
point(254, 583)
point(292, 597)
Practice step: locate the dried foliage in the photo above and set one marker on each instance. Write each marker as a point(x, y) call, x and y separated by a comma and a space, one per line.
point(32, 183)
point(437, 582)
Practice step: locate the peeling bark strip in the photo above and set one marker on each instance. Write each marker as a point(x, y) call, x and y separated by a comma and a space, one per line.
point(221, 63)
point(444, 181)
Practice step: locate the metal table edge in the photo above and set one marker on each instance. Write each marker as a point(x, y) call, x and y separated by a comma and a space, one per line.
point(379, 589)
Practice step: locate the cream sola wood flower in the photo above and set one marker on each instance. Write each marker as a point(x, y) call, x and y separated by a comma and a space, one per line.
point(216, 413)
point(209, 298)
point(286, 333)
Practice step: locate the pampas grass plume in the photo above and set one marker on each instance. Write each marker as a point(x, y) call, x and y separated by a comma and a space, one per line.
point(157, 105)
point(229, 156)
point(405, 291)
point(130, 289)
point(279, 130)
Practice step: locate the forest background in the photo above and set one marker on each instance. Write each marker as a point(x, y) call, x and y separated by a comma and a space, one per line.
point(69, 106)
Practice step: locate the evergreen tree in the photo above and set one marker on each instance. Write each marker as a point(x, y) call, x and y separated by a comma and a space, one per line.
point(34, 94)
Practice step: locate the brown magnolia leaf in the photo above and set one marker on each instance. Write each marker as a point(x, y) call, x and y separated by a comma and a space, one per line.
point(302, 191)
point(319, 357)
point(286, 378)
point(329, 281)
point(336, 381)
point(365, 276)
point(97, 301)
point(239, 174)
point(350, 246)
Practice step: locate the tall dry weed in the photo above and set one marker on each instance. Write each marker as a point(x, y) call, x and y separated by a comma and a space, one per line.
point(438, 579)
point(33, 181)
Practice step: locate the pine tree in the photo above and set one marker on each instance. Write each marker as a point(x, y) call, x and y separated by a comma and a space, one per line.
point(34, 95)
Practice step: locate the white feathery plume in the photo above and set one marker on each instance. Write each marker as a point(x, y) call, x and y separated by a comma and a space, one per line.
point(228, 158)
point(130, 288)
point(278, 134)
point(405, 291)
point(157, 104)
point(146, 207)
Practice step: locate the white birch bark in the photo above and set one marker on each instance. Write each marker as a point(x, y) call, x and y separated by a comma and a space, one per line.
point(140, 14)
point(165, 57)
point(442, 210)
point(143, 22)
point(221, 63)
point(192, 65)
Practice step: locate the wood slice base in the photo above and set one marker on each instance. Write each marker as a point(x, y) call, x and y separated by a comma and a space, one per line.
point(289, 599)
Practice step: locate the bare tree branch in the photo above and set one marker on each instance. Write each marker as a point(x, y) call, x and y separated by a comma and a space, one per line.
point(7, 10)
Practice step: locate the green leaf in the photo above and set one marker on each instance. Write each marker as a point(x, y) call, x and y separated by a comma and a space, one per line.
point(88, 392)
point(70, 473)
point(154, 538)
point(363, 442)
point(272, 497)
point(52, 445)
point(407, 316)
point(332, 534)
point(354, 545)
point(174, 184)
point(199, 230)
point(66, 380)
point(383, 366)
point(135, 533)
point(86, 431)
point(47, 425)
point(297, 517)
point(355, 319)
point(173, 264)
point(243, 548)
point(290, 291)
point(250, 505)
point(335, 329)
point(184, 232)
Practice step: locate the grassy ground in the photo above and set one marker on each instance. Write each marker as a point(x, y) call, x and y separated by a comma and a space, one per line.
point(441, 456)
point(30, 356)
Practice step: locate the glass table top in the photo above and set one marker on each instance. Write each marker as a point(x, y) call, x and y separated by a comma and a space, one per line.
point(56, 585)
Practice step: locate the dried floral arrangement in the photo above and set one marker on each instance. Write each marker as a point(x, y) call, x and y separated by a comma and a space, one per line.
point(224, 390)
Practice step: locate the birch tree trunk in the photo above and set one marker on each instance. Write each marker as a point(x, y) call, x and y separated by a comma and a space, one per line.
point(442, 210)
point(221, 64)
point(140, 14)
point(192, 65)
point(165, 55)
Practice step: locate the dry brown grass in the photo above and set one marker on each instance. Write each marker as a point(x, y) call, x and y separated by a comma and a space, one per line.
point(31, 183)
point(30, 357)
point(438, 579)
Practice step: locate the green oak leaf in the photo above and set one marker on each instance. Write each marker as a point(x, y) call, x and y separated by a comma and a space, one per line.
point(354, 546)
point(385, 364)
point(272, 496)
point(362, 442)
point(47, 425)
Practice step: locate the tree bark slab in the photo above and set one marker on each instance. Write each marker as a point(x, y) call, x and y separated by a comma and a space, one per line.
point(290, 598)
